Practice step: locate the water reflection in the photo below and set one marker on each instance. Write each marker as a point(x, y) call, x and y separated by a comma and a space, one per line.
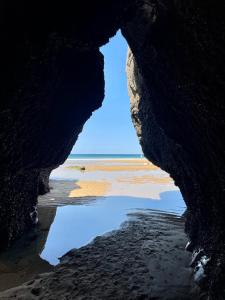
point(76, 225)
point(22, 261)
point(74, 221)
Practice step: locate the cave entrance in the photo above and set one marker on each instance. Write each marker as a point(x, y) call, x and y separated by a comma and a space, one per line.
point(104, 179)
point(106, 175)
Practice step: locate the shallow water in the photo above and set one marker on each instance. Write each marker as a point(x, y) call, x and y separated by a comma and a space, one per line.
point(71, 222)
point(119, 180)
point(76, 225)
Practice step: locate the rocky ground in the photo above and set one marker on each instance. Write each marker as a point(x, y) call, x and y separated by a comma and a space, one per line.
point(145, 259)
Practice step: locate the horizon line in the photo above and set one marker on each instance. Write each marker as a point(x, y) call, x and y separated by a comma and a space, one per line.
point(107, 153)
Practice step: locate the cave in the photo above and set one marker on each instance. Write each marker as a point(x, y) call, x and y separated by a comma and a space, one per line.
point(52, 71)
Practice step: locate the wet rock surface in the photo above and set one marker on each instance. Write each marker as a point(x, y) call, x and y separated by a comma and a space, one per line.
point(145, 259)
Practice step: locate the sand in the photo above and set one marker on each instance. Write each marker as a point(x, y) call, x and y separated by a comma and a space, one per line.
point(60, 195)
point(22, 262)
point(116, 165)
point(145, 179)
point(145, 259)
point(96, 188)
point(90, 189)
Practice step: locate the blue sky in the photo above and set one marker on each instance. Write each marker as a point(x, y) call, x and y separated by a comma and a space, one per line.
point(110, 128)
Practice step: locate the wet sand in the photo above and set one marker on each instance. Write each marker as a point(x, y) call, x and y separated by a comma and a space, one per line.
point(90, 189)
point(144, 259)
point(130, 177)
point(22, 261)
point(145, 179)
point(130, 165)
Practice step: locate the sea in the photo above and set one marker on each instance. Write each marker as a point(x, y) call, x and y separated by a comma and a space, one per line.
point(103, 156)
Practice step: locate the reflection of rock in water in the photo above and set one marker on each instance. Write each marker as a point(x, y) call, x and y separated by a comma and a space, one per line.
point(145, 259)
point(60, 194)
point(22, 262)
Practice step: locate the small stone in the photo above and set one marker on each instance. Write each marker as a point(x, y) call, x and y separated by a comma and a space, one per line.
point(36, 291)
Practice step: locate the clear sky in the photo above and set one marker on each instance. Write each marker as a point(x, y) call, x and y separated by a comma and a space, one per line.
point(110, 129)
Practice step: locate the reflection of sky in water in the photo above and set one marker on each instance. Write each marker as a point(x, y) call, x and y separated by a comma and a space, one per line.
point(76, 225)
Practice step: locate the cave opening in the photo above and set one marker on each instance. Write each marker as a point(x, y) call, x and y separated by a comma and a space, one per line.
point(110, 172)
point(52, 73)
point(110, 130)
point(104, 179)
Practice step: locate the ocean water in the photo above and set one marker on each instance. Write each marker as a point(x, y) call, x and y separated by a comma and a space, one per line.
point(103, 156)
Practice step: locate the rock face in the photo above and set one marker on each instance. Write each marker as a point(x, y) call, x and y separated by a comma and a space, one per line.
point(52, 80)
point(177, 89)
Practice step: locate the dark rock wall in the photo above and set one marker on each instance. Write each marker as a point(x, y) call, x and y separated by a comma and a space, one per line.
point(43, 180)
point(45, 120)
point(18, 204)
point(52, 80)
point(177, 88)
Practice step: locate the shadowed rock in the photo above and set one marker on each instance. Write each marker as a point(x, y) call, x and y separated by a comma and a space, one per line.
point(177, 89)
point(52, 80)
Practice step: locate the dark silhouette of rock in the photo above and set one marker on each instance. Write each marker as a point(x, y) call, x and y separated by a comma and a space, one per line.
point(52, 80)
point(177, 89)
point(43, 185)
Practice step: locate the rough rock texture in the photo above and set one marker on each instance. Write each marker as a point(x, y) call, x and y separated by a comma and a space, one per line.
point(177, 89)
point(43, 184)
point(52, 80)
point(18, 203)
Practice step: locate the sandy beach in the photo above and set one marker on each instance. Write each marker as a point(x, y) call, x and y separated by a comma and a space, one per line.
point(130, 177)
point(104, 212)
point(116, 165)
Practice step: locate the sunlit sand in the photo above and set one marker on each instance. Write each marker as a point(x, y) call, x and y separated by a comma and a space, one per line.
point(110, 177)
point(117, 165)
point(145, 179)
point(90, 189)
